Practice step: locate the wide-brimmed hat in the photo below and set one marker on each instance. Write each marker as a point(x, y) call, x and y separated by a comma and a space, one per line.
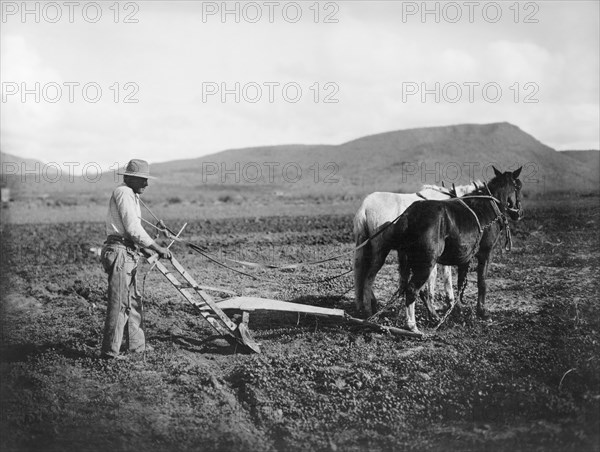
point(137, 168)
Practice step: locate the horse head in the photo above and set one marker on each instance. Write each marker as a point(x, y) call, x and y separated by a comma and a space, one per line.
point(506, 187)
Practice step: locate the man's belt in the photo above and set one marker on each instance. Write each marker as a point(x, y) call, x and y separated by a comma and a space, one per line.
point(112, 239)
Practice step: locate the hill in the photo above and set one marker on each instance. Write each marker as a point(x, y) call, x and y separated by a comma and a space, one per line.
point(589, 158)
point(31, 178)
point(14, 164)
point(393, 161)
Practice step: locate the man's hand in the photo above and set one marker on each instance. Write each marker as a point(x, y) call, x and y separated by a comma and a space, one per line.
point(164, 253)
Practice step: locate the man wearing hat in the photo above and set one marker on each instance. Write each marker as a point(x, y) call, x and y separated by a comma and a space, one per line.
point(120, 259)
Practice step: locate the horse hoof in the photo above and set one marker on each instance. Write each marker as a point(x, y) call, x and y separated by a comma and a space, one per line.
point(414, 329)
point(483, 315)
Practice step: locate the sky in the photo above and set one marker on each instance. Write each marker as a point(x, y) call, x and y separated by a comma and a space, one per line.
point(104, 82)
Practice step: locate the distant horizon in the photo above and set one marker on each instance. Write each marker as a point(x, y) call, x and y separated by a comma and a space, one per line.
point(110, 167)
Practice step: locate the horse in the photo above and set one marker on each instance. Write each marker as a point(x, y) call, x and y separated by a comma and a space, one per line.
point(378, 210)
point(452, 232)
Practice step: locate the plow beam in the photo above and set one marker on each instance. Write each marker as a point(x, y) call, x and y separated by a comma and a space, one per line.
point(250, 304)
point(213, 311)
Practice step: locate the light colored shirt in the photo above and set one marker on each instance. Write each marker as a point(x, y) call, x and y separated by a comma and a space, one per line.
point(124, 216)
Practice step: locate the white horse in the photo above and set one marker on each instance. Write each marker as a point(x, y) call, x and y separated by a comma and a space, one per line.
point(378, 210)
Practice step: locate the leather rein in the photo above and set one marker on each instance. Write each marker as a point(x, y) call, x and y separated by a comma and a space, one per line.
point(499, 216)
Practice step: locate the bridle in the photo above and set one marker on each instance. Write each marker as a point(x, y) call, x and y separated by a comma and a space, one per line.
point(501, 216)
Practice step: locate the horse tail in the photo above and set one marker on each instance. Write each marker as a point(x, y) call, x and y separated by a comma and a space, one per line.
point(361, 255)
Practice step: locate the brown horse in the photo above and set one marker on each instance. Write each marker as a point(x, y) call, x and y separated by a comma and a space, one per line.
point(452, 232)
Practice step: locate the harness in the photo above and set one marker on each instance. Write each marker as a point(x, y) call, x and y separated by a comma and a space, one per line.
point(499, 216)
point(472, 212)
point(495, 202)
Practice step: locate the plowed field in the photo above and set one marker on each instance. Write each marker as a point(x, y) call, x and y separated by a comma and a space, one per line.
point(527, 380)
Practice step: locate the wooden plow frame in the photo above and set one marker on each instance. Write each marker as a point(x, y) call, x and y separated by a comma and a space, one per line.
point(207, 307)
point(213, 311)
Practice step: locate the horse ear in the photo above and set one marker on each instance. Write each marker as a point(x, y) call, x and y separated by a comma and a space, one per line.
point(516, 173)
point(496, 171)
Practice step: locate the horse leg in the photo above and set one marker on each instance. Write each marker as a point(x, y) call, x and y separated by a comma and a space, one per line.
point(404, 273)
point(482, 269)
point(417, 280)
point(378, 255)
point(428, 295)
point(378, 251)
point(448, 290)
point(360, 266)
point(463, 270)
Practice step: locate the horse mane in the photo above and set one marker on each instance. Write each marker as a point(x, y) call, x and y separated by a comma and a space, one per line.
point(456, 190)
point(469, 189)
point(434, 187)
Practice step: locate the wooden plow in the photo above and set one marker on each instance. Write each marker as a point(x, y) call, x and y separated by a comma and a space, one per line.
point(207, 307)
point(214, 311)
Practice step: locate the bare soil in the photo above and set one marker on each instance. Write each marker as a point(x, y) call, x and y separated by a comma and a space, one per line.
point(527, 380)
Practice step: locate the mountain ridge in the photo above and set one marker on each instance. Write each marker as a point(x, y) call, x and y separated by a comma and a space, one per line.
point(400, 160)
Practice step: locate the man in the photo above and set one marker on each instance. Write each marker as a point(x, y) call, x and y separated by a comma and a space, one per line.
point(120, 259)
